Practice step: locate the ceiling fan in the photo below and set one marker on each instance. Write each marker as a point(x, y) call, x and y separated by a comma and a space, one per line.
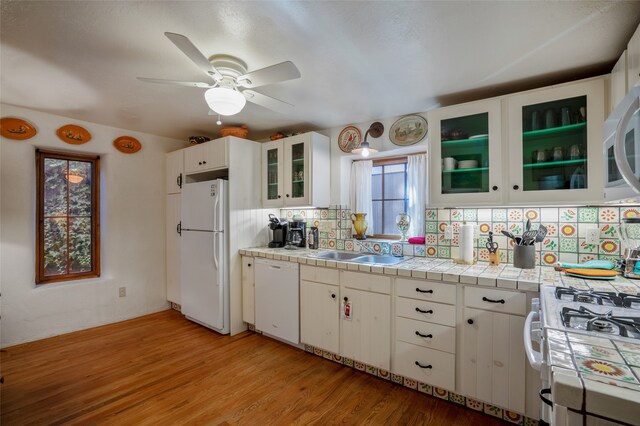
point(232, 84)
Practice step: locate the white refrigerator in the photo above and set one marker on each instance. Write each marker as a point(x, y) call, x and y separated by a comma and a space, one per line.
point(204, 245)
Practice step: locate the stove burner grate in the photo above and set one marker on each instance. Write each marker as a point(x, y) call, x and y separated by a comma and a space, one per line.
point(598, 297)
point(601, 322)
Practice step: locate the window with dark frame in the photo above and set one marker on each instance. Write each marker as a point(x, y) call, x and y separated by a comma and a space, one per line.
point(388, 194)
point(67, 220)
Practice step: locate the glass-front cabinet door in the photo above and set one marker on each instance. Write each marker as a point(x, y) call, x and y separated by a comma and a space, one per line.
point(272, 174)
point(466, 154)
point(555, 144)
point(296, 171)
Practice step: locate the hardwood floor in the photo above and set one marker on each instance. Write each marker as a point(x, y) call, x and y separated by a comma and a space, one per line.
point(164, 370)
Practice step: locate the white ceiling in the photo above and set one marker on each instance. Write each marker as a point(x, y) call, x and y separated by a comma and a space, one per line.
point(359, 60)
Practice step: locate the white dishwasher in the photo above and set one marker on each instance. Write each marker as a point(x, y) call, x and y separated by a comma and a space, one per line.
point(277, 296)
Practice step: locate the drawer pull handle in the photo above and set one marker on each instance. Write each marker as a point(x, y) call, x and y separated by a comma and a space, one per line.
point(423, 291)
point(426, 336)
point(423, 366)
point(424, 312)
point(493, 301)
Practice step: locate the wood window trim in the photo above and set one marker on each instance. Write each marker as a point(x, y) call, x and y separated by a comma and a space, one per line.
point(389, 161)
point(95, 215)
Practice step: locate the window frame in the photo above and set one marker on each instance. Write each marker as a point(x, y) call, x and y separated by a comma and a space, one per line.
point(389, 161)
point(41, 155)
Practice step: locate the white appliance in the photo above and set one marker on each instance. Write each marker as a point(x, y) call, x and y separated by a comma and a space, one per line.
point(278, 299)
point(204, 273)
point(621, 133)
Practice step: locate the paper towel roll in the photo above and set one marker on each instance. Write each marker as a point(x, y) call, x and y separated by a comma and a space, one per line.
point(465, 243)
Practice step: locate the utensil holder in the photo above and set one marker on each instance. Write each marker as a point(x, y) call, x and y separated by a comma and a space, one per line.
point(524, 257)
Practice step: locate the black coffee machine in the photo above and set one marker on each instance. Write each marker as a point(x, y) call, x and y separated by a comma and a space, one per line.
point(297, 235)
point(279, 230)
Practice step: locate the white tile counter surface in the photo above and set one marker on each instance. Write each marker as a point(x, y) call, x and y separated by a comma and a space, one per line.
point(605, 374)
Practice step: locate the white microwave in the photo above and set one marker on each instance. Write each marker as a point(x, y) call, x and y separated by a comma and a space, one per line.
point(621, 133)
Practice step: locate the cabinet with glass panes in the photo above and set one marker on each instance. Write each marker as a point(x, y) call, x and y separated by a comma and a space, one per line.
point(555, 143)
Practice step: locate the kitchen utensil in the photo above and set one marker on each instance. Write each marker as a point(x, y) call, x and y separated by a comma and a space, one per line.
point(540, 234)
point(509, 234)
point(491, 245)
point(528, 237)
point(467, 164)
point(527, 225)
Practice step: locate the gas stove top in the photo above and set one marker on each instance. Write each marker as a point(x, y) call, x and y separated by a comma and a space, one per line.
point(596, 313)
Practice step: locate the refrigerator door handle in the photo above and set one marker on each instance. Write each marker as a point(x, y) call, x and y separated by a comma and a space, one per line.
point(216, 212)
point(216, 235)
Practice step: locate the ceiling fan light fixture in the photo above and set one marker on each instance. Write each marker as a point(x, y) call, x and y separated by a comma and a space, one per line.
point(225, 101)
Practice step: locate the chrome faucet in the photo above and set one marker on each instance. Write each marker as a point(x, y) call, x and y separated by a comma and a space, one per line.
point(364, 247)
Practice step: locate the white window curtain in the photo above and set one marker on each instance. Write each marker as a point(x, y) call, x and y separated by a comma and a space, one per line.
point(360, 191)
point(417, 193)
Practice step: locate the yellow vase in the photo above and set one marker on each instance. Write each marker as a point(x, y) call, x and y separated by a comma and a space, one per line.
point(360, 225)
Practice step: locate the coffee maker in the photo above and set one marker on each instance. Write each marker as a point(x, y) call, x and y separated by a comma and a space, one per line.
point(297, 235)
point(279, 229)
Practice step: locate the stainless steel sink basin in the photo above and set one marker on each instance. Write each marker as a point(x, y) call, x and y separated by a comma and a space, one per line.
point(337, 255)
point(375, 258)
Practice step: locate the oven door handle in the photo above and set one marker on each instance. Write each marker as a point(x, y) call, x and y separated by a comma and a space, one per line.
point(535, 358)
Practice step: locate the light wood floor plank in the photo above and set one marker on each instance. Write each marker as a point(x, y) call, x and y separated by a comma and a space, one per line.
point(162, 369)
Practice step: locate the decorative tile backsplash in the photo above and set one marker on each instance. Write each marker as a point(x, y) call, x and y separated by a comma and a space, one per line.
point(565, 240)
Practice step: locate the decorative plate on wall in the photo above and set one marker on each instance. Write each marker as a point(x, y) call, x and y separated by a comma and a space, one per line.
point(16, 128)
point(127, 144)
point(349, 139)
point(74, 135)
point(408, 130)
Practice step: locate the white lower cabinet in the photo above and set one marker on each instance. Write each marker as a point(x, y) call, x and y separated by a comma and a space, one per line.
point(365, 335)
point(425, 333)
point(493, 363)
point(248, 290)
point(320, 307)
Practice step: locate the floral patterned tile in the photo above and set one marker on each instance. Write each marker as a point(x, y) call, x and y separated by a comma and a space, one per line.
point(606, 369)
point(548, 258)
point(458, 399)
point(608, 214)
point(533, 214)
point(568, 245)
point(609, 354)
point(470, 214)
point(587, 214)
point(499, 215)
point(372, 370)
point(630, 212)
point(410, 383)
point(440, 393)
point(513, 417)
point(425, 388)
point(384, 374)
point(457, 214)
point(628, 346)
point(583, 247)
point(610, 247)
point(493, 410)
point(514, 215)
point(568, 230)
point(396, 378)
point(431, 214)
point(569, 214)
point(474, 404)
point(609, 230)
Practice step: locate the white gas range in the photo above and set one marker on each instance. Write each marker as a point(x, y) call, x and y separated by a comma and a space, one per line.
point(589, 355)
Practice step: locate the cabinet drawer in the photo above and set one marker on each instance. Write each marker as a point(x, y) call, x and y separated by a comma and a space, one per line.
point(426, 311)
point(426, 290)
point(443, 365)
point(367, 282)
point(320, 275)
point(510, 302)
point(442, 338)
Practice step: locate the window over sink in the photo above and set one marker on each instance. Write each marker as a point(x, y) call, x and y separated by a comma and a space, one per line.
point(389, 195)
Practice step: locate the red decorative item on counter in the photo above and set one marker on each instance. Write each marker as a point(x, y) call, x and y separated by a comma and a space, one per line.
point(416, 240)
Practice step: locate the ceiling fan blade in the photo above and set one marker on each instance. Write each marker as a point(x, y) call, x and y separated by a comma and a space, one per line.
point(267, 101)
point(275, 73)
point(180, 83)
point(192, 52)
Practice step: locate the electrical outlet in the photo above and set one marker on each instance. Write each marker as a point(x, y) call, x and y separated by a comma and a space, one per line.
point(593, 236)
point(122, 291)
point(448, 232)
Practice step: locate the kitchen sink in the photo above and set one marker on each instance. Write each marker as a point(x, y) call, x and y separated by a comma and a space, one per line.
point(337, 255)
point(375, 258)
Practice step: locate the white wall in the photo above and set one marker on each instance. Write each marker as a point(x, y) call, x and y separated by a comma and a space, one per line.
point(132, 234)
point(341, 162)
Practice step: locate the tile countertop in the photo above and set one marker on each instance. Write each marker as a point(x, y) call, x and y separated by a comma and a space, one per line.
point(502, 276)
point(597, 375)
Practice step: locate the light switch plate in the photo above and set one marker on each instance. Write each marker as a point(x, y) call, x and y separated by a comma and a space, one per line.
point(448, 232)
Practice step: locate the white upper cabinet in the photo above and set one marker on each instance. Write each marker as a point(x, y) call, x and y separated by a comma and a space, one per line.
point(633, 60)
point(555, 144)
point(466, 143)
point(174, 171)
point(618, 82)
point(207, 156)
point(295, 171)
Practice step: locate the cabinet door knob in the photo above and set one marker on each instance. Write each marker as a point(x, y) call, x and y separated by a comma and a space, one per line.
point(287, 195)
point(419, 290)
point(346, 299)
point(423, 366)
point(333, 295)
point(279, 196)
point(200, 163)
point(249, 265)
point(424, 312)
point(516, 187)
point(494, 187)
point(204, 162)
point(469, 321)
